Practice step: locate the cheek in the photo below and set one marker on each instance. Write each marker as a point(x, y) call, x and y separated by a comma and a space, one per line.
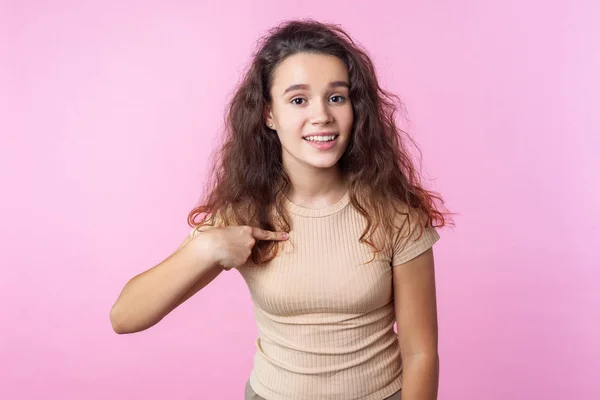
point(346, 118)
point(290, 122)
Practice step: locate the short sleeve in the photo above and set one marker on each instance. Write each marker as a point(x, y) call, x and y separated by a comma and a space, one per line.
point(412, 240)
point(194, 232)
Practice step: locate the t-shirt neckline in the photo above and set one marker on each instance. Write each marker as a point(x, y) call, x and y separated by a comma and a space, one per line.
point(317, 212)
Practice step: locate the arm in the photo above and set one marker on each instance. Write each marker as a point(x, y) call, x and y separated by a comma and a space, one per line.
point(416, 314)
point(150, 296)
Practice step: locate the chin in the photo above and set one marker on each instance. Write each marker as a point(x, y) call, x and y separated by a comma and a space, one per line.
point(325, 164)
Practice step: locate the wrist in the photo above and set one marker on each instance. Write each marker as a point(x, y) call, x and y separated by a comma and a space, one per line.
point(205, 250)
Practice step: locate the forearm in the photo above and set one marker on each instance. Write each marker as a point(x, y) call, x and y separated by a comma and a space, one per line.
point(420, 377)
point(149, 296)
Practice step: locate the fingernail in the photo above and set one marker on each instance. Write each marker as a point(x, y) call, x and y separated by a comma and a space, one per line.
point(286, 236)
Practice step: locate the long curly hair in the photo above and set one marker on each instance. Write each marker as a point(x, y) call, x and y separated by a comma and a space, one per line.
point(248, 184)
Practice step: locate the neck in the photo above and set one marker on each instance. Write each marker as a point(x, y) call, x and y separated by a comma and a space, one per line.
point(316, 187)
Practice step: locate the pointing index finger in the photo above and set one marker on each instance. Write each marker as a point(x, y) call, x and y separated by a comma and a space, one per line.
point(261, 234)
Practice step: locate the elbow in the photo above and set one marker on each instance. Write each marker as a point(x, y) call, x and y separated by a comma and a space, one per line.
point(118, 321)
point(427, 357)
point(123, 324)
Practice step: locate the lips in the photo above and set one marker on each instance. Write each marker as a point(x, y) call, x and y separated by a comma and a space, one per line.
point(324, 146)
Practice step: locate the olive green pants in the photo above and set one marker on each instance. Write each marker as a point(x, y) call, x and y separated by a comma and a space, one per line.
point(250, 395)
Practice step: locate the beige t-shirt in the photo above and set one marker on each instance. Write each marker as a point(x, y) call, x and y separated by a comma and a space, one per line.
point(325, 317)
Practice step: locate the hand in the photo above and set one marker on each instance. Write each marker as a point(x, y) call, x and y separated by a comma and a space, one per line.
point(231, 246)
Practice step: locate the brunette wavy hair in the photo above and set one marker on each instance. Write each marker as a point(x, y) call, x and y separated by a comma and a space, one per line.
point(248, 184)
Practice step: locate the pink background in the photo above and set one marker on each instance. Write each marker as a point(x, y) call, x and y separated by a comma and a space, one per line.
point(109, 112)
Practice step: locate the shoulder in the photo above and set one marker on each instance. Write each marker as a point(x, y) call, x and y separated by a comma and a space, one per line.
point(210, 221)
point(413, 234)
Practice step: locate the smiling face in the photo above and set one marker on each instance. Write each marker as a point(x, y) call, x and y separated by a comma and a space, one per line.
point(310, 96)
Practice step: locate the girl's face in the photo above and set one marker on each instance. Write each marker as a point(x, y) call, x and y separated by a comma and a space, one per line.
point(310, 96)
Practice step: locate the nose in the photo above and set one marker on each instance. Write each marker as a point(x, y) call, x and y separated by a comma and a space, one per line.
point(320, 113)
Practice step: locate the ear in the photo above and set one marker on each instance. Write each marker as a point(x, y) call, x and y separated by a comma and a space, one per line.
point(268, 115)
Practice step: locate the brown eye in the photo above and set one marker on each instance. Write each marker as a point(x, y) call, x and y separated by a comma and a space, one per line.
point(298, 101)
point(341, 99)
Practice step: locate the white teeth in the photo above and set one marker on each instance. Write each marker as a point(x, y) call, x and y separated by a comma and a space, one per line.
point(320, 138)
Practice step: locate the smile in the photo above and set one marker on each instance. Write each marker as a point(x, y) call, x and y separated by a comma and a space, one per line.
point(325, 142)
point(324, 138)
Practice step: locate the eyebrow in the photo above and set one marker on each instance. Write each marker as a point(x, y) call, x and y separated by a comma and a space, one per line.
point(332, 85)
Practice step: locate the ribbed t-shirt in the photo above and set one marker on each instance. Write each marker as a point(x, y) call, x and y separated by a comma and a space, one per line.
point(325, 315)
